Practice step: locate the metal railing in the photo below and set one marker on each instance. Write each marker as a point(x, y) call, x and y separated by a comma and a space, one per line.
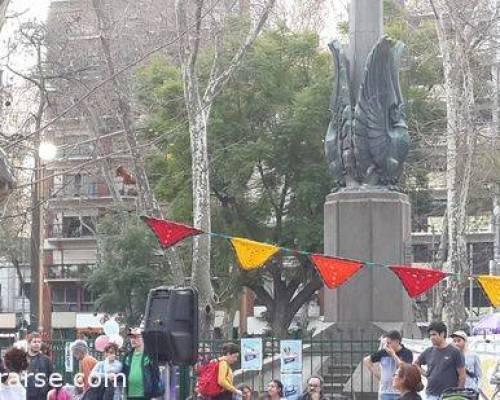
point(69, 271)
point(336, 355)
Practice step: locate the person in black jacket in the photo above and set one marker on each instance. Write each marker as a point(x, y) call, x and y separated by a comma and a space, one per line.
point(39, 365)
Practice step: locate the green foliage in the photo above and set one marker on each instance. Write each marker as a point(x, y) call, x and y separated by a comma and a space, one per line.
point(127, 266)
point(268, 175)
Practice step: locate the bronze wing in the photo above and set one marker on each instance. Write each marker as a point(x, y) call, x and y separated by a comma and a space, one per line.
point(376, 113)
point(338, 135)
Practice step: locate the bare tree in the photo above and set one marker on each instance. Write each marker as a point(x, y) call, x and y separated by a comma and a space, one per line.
point(462, 27)
point(198, 100)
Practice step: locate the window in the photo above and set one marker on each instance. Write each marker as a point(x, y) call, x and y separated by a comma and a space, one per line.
point(65, 299)
point(74, 228)
point(88, 300)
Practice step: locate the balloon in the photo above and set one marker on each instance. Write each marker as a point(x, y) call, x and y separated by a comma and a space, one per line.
point(101, 342)
point(111, 328)
point(116, 339)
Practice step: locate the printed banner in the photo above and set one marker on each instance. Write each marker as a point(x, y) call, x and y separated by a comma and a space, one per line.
point(68, 357)
point(291, 356)
point(252, 254)
point(251, 354)
point(292, 386)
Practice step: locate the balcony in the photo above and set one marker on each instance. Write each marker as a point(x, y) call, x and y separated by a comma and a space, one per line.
point(72, 229)
point(68, 272)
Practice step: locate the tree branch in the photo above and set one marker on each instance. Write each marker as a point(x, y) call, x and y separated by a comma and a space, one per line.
point(216, 85)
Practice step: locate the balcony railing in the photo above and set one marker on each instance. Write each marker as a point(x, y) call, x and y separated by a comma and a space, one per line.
point(69, 271)
point(70, 231)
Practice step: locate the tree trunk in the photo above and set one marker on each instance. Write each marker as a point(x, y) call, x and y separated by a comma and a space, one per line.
point(147, 201)
point(461, 139)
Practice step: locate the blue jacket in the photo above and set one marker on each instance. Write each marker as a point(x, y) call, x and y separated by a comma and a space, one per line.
point(150, 374)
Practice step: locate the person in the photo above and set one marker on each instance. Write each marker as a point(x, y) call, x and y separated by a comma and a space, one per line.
point(230, 353)
point(246, 392)
point(107, 372)
point(16, 363)
point(40, 365)
point(389, 358)
point(314, 390)
point(275, 390)
point(408, 381)
point(86, 362)
point(445, 364)
point(472, 362)
point(59, 393)
point(141, 372)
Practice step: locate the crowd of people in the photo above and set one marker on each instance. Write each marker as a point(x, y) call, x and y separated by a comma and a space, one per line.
point(28, 374)
point(447, 367)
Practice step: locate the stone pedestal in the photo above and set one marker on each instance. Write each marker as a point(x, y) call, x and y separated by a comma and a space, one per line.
point(372, 226)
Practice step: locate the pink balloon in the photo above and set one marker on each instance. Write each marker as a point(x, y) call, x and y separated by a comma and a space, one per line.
point(101, 342)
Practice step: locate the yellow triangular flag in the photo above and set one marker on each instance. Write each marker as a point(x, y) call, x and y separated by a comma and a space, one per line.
point(252, 254)
point(491, 285)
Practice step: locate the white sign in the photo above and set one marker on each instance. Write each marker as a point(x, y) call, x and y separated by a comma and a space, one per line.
point(68, 357)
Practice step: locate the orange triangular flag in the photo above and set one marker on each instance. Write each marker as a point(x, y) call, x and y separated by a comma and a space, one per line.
point(335, 271)
point(491, 286)
point(252, 254)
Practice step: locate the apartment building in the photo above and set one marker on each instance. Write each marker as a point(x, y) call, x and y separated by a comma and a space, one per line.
point(90, 143)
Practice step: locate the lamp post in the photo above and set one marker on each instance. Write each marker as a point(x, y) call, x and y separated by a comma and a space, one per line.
point(46, 152)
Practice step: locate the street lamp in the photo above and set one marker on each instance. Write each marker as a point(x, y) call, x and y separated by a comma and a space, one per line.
point(47, 151)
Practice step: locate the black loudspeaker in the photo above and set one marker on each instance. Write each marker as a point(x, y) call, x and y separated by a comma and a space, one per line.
point(171, 325)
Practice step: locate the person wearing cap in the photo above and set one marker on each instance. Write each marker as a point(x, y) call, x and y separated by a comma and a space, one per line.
point(142, 373)
point(472, 363)
point(87, 363)
point(389, 357)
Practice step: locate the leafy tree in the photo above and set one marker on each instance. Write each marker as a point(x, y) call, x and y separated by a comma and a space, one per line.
point(127, 266)
point(268, 176)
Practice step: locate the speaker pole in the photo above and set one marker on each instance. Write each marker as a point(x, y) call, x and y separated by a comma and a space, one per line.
point(166, 371)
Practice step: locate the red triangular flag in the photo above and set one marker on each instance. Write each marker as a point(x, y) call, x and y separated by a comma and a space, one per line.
point(335, 271)
point(169, 233)
point(417, 280)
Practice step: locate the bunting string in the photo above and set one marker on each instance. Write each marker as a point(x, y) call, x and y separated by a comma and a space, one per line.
point(334, 271)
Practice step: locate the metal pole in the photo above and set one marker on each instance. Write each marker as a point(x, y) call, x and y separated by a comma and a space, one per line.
point(471, 282)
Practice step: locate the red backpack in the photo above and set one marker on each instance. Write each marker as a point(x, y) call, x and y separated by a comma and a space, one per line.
point(208, 375)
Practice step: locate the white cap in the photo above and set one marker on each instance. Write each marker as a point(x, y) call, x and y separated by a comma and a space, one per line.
point(460, 334)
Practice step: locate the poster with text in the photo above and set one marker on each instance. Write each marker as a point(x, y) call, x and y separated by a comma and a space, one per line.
point(291, 356)
point(68, 357)
point(292, 386)
point(251, 354)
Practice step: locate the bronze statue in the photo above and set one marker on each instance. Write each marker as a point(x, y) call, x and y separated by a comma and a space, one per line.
point(367, 144)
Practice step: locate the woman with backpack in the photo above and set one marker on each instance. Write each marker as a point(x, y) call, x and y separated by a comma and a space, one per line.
point(219, 371)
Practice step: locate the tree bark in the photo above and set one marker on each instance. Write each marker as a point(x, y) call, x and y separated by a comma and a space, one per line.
point(147, 201)
point(198, 110)
point(461, 139)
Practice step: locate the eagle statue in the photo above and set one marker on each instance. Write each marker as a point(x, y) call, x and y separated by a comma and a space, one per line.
point(367, 140)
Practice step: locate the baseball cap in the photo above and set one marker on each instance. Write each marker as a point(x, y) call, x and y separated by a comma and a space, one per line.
point(134, 332)
point(460, 334)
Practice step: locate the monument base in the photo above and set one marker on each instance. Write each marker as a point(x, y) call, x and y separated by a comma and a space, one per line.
point(371, 225)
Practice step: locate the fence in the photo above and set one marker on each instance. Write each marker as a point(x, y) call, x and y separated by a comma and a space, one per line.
point(336, 355)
